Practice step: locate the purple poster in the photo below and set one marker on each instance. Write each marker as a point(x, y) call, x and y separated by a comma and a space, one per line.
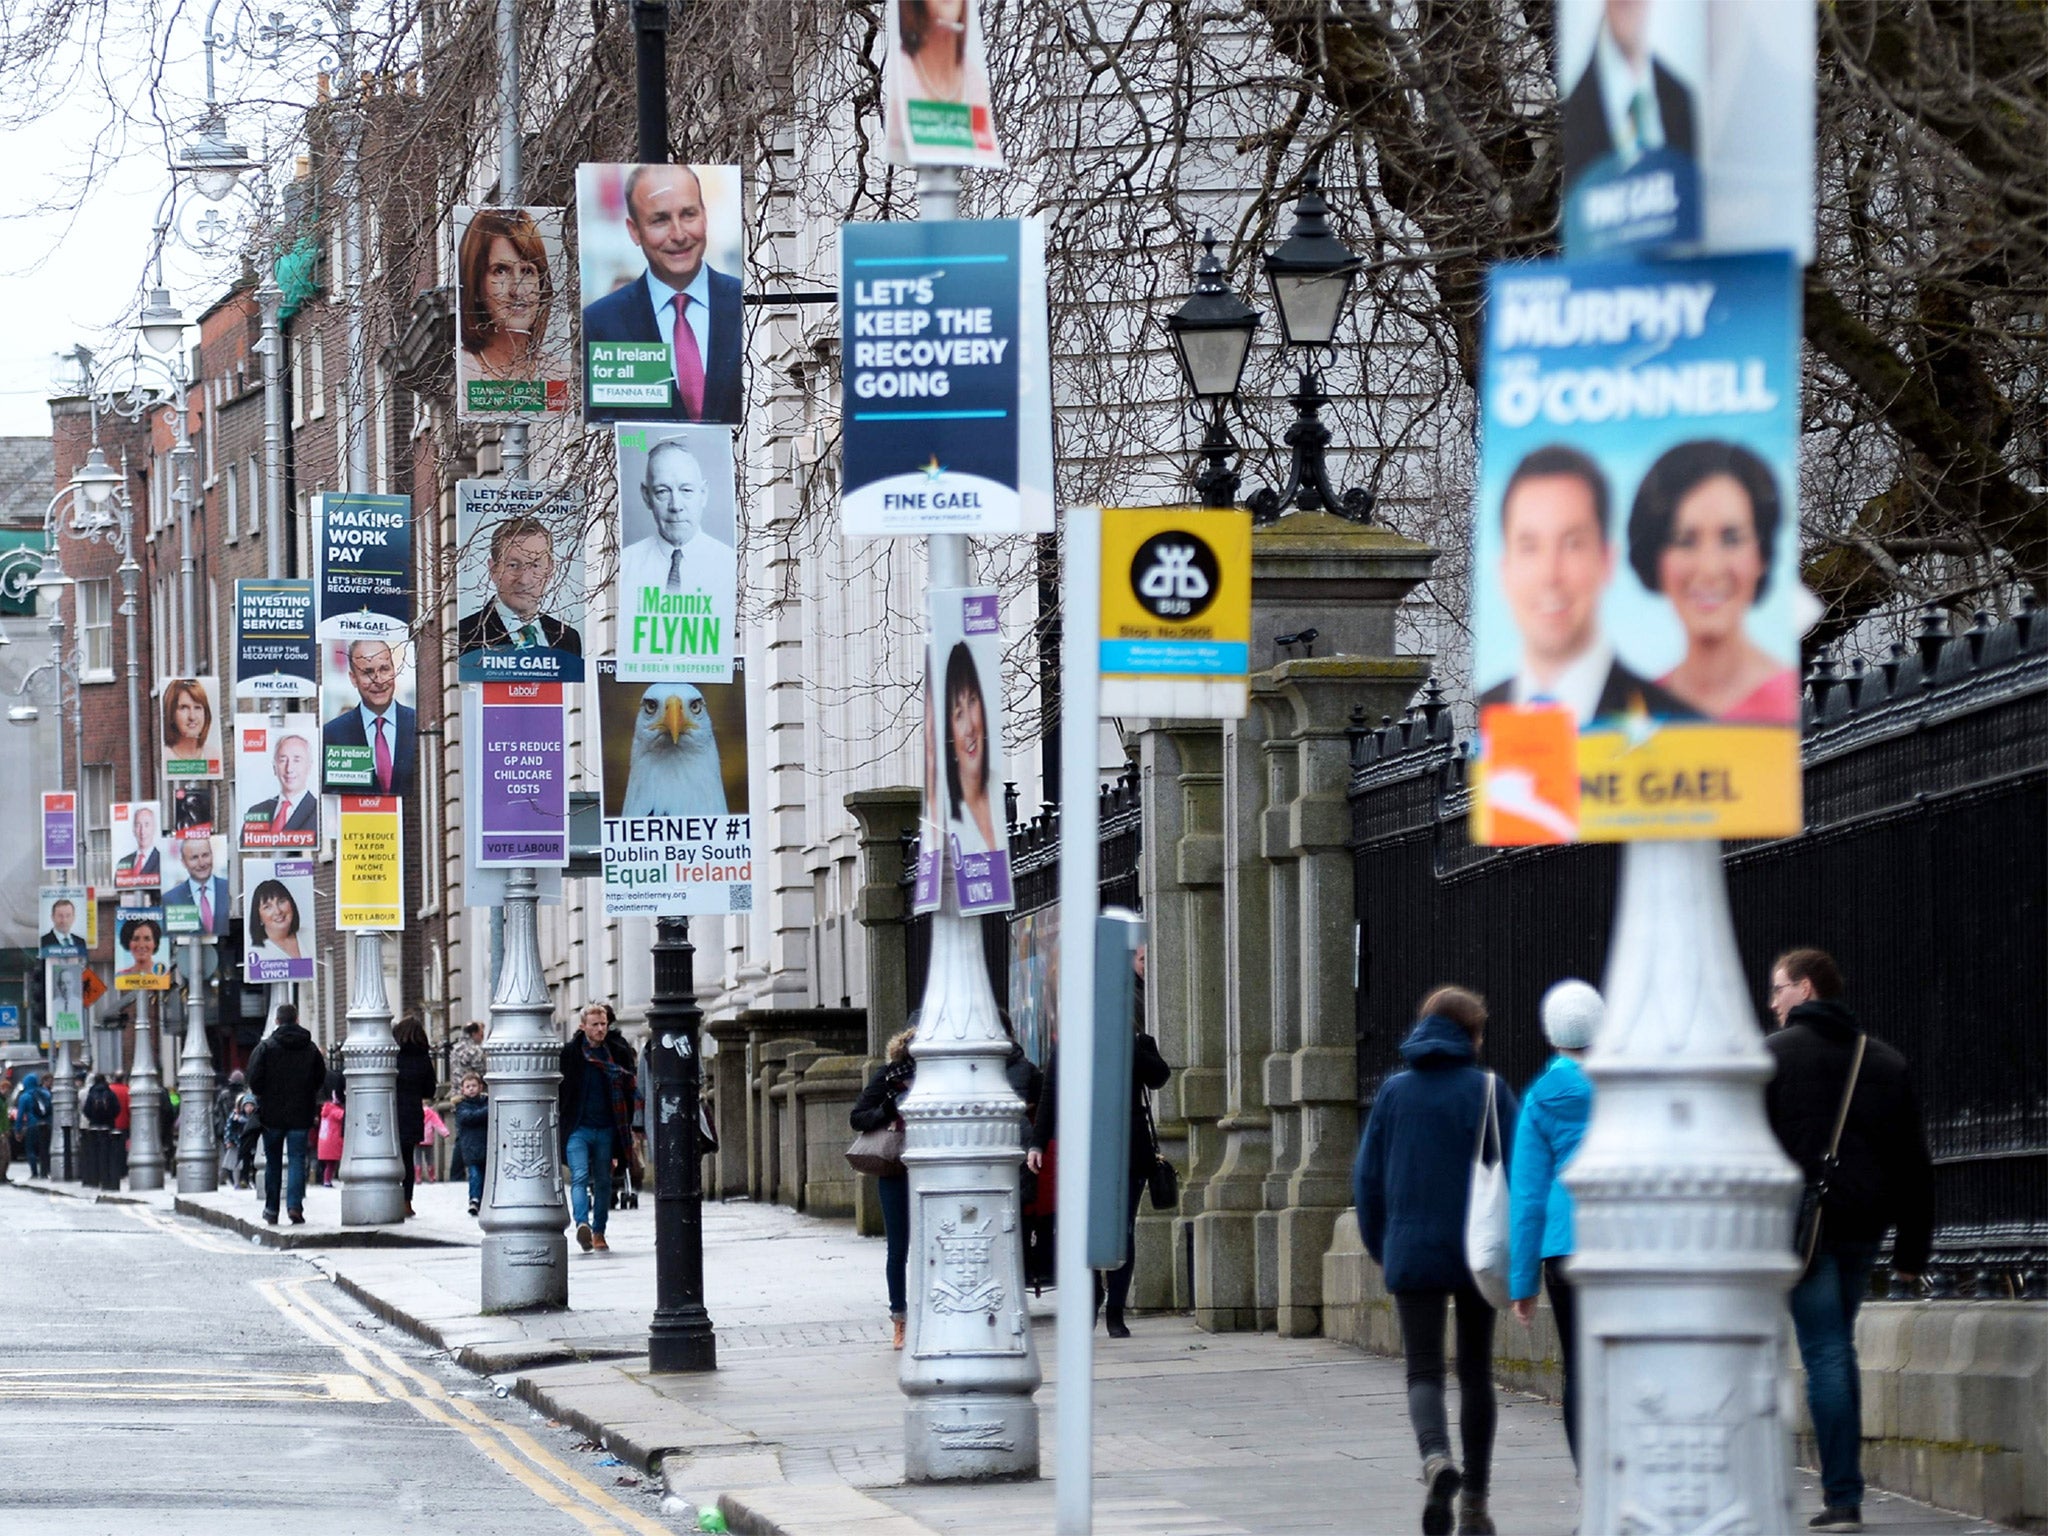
point(523, 779)
point(966, 669)
point(60, 829)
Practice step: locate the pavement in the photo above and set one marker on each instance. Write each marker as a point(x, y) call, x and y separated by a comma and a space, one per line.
point(800, 1430)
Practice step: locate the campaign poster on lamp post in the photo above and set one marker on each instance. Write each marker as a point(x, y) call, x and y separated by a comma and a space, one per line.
point(518, 581)
point(278, 912)
point(277, 782)
point(62, 911)
point(678, 566)
point(198, 904)
point(60, 829)
point(274, 645)
point(660, 250)
point(936, 84)
point(140, 951)
point(369, 854)
point(1635, 571)
point(516, 746)
point(678, 837)
point(64, 999)
point(512, 354)
point(369, 735)
point(191, 728)
point(966, 664)
point(143, 861)
point(947, 418)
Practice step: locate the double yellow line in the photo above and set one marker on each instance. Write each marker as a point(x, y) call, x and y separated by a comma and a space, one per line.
point(545, 1475)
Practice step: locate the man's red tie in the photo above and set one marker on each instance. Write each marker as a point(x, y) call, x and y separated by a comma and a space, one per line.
point(284, 813)
point(383, 759)
point(689, 363)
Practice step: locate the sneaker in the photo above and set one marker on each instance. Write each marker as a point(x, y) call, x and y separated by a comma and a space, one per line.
point(897, 1324)
point(585, 1238)
point(1838, 1517)
point(298, 1218)
point(1440, 1476)
point(271, 1217)
point(1473, 1519)
point(472, 1207)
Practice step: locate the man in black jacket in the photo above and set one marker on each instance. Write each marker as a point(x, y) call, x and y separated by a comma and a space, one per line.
point(1882, 1178)
point(595, 1111)
point(286, 1073)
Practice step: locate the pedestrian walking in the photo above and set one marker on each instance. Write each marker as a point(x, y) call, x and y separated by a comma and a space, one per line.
point(416, 1084)
point(473, 1135)
point(119, 1088)
point(879, 1108)
point(1555, 1109)
point(1149, 1070)
point(1837, 1087)
point(224, 1102)
point(286, 1073)
point(327, 1148)
point(595, 1112)
point(32, 1124)
point(1412, 1181)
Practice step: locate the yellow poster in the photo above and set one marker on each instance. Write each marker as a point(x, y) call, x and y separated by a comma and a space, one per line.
point(370, 864)
point(1176, 611)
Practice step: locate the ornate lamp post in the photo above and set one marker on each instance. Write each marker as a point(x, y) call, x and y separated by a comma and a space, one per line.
point(1212, 337)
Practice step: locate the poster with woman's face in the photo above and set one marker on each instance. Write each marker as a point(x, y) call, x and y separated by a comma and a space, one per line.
point(966, 667)
point(277, 918)
point(936, 85)
point(512, 354)
point(190, 707)
point(142, 960)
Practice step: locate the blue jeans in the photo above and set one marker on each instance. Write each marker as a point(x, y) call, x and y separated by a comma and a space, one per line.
point(1824, 1318)
point(476, 1181)
point(896, 1228)
point(590, 1175)
point(278, 1147)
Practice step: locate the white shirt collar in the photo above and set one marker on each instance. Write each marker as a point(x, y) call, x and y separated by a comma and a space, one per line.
point(699, 289)
point(1578, 686)
point(513, 623)
point(1619, 83)
point(370, 718)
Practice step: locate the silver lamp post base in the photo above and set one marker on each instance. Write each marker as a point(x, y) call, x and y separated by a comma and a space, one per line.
point(1684, 1229)
point(372, 1172)
point(198, 1154)
point(525, 1213)
point(145, 1105)
point(63, 1116)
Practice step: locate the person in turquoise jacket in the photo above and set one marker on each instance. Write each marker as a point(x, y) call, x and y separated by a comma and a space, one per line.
point(1555, 1109)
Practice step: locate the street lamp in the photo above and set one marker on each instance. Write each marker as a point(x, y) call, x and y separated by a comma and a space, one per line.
point(1212, 337)
point(94, 482)
point(213, 161)
point(161, 322)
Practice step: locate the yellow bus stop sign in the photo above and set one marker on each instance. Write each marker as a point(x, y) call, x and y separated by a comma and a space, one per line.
point(1176, 612)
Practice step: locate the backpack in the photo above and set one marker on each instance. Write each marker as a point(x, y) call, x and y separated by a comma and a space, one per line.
point(101, 1106)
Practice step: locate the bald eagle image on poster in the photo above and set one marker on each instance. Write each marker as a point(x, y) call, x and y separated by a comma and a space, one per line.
point(678, 839)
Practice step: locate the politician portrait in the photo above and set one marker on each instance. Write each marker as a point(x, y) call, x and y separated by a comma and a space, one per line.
point(368, 746)
point(511, 331)
point(660, 255)
point(1628, 103)
point(517, 591)
point(678, 572)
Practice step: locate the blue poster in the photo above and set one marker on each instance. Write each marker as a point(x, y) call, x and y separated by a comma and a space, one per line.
point(948, 389)
point(274, 652)
point(1635, 578)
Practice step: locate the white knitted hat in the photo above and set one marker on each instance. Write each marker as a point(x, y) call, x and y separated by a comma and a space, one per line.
point(1572, 1011)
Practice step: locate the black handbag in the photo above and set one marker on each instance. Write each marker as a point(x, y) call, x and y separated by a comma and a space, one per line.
point(1806, 1240)
point(1162, 1184)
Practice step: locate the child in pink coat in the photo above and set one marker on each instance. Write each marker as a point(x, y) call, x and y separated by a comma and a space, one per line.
point(328, 1147)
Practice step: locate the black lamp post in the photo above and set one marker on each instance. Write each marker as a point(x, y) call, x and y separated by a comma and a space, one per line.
point(1212, 337)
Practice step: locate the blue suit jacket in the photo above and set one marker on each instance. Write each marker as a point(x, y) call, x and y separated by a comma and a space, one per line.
point(627, 314)
point(183, 895)
point(347, 731)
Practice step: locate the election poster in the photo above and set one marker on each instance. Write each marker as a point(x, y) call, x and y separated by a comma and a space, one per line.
point(678, 566)
point(143, 861)
point(516, 752)
point(369, 735)
point(141, 955)
point(966, 662)
point(513, 359)
point(518, 582)
point(194, 806)
point(947, 418)
point(1636, 561)
point(1176, 612)
point(277, 783)
point(936, 84)
point(369, 857)
point(64, 1000)
point(274, 654)
point(660, 253)
point(278, 920)
point(678, 838)
point(61, 920)
point(191, 728)
point(199, 904)
point(60, 828)
point(1686, 126)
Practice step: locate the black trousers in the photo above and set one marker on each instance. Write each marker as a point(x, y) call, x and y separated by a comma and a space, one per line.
point(1422, 1341)
point(1564, 1307)
point(1119, 1280)
point(405, 1152)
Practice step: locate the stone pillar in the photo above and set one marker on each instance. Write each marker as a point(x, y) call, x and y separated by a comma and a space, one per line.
point(727, 1087)
point(884, 816)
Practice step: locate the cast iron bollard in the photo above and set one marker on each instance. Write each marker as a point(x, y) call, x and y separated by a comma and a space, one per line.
point(681, 1337)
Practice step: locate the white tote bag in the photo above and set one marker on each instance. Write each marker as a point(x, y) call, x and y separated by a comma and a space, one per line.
point(1486, 1210)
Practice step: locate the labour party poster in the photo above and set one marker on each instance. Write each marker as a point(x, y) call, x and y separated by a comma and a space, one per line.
point(936, 82)
point(518, 581)
point(368, 732)
point(678, 573)
point(677, 836)
point(192, 724)
point(274, 652)
point(512, 353)
point(516, 753)
point(60, 828)
point(277, 783)
point(966, 663)
point(1636, 555)
point(369, 854)
point(947, 417)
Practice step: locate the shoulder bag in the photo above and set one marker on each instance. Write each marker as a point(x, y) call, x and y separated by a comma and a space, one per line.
point(1486, 1209)
point(1162, 1184)
point(1806, 1240)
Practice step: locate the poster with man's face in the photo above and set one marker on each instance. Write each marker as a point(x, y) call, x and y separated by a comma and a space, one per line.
point(143, 859)
point(660, 255)
point(369, 734)
point(61, 921)
point(1629, 78)
point(64, 999)
point(966, 669)
point(190, 708)
point(678, 570)
point(512, 354)
point(936, 84)
point(518, 582)
point(277, 783)
point(199, 904)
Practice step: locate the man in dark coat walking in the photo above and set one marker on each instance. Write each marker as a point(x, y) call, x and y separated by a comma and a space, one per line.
point(286, 1073)
point(1882, 1178)
point(595, 1110)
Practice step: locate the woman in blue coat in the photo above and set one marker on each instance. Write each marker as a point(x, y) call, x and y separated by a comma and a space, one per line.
point(1412, 1181)
point(1553, 1122)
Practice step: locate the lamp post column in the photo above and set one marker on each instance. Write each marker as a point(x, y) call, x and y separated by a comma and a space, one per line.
point(145, 1084)
point(198, 1161)
point(372, 1171)
point(63, 1081)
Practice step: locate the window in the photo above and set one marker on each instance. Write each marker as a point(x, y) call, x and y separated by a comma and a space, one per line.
point(298, 381)
point(96, 812)
point(316, 382)
point(258, 493)
point(233, 515)
point(96, 630)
